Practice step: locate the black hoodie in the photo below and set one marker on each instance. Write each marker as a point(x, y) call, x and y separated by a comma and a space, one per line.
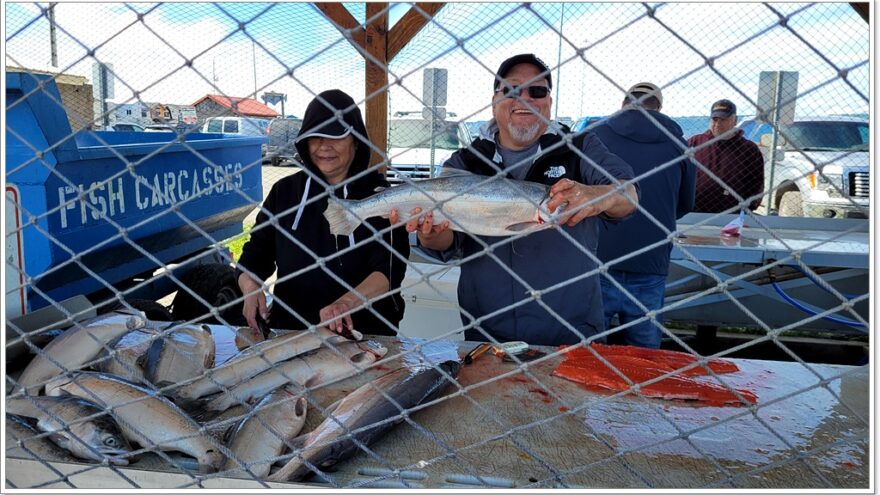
point(304, 285)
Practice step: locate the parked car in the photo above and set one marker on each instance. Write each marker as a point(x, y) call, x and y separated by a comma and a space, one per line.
point(416, 150)
point(126, 127)
point(237, 126)
point(839, 145)
point(159, 128)
point(282, 132)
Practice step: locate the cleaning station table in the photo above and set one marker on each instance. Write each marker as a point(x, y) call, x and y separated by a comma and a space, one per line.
point(507, 426)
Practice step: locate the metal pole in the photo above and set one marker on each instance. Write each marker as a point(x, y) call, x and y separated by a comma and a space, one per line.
point(104, 93)
point(53, 44)
point(433, 141)
point(254, 45)
point(771, 195)
point(558, 64)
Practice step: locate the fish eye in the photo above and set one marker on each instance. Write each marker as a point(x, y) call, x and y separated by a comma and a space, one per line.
point(111, 442)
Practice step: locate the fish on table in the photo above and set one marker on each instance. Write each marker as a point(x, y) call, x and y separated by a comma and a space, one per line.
point(123, 356)
point(76, 425)
point(149, 420)
point(179, 355)
point(331, 441)
point(77, 346)
point(309, 370)
point(258, 358)
point(477, 204)
point(640, 365)
point(263, 434)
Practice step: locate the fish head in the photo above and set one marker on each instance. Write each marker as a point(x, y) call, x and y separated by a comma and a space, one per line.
point(95, 440)
point(544, 216)
point(211, 461)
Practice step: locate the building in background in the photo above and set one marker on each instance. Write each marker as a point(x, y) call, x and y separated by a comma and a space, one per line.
point(148, 113)
point(76, 96)
point(218, 106)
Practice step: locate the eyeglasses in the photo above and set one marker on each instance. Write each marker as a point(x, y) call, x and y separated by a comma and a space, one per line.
point(536, 92)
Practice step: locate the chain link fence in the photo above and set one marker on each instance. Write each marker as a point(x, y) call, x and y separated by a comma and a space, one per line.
point(144, 150)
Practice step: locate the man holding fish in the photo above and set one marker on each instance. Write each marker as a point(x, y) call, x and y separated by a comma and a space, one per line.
point(531, 288)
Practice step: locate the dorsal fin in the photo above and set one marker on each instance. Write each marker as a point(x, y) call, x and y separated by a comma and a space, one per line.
point(453, 172)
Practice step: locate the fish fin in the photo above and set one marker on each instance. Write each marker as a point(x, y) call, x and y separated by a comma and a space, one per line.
point(359, 358)
point(341, 220)
point(522, 226)
point(453, 172)
point(292, 445)
point(152, 358)
point(59, 439)
point(312, 381)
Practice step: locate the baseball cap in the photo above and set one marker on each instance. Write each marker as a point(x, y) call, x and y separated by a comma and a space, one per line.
point(321, 120)
point(723, 109)
point(646, 87)
point(523, 58)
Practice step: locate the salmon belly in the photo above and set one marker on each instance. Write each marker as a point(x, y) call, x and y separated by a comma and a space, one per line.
point(635, 366)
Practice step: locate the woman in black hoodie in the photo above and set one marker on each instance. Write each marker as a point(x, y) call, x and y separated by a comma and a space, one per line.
point(323, 277)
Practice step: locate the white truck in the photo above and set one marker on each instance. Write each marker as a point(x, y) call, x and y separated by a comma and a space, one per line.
point(838, 146)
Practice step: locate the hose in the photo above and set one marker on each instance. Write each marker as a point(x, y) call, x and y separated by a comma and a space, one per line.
point(815, 282)
point(795, 303)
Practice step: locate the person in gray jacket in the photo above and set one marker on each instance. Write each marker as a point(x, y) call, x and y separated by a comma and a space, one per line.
point(533, 288)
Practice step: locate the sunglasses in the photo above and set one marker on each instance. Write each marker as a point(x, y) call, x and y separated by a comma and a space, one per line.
point(536, 92)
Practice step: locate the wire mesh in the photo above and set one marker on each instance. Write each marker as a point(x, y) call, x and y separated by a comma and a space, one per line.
point(145, 152)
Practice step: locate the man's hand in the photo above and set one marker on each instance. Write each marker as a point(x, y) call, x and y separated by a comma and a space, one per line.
point(574, 195)
point(582, 202)
point(254, 300)
point(431, 235)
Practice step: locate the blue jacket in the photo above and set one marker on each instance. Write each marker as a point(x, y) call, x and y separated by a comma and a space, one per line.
point(490, 286)
point(667, 194)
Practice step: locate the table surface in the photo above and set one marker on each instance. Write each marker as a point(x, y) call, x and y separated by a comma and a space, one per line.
point(842, 249)
point(525, 428)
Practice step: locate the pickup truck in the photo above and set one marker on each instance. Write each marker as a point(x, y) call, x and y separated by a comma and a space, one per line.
point(118, 216)
point(415, 151)
point(839, 145)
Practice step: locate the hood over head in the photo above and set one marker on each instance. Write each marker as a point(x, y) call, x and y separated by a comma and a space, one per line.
point(334, 114)
point(633, 124)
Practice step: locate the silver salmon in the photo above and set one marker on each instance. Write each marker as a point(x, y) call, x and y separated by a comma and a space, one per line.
point(263, 434)
point(331, 441)
point(125, 355)
point(76, 425)
point(149, 420)
point(472, 203)
point(258, 358)
point(179, 355)
point(75, 347)
point(310, 370)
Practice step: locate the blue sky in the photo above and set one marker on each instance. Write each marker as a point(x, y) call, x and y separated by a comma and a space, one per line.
point(620, 45)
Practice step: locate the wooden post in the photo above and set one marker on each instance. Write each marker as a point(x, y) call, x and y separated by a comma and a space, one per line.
point(378, 46)
point(376, 83)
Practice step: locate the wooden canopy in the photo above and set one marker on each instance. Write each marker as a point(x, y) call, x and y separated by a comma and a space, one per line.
point(378, 45)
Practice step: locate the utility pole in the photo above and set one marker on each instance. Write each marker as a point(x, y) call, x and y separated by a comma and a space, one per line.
point(53, 45)
point(254, 56)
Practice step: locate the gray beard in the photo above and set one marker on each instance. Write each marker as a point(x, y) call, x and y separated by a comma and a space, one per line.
point(524, 135)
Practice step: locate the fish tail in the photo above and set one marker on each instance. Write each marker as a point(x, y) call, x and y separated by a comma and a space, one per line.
point(338, 214)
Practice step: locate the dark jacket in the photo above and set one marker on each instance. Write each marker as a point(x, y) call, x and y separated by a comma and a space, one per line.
point(304, 285)
point(542, 259)
point(667, 194)
point(737, 162)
